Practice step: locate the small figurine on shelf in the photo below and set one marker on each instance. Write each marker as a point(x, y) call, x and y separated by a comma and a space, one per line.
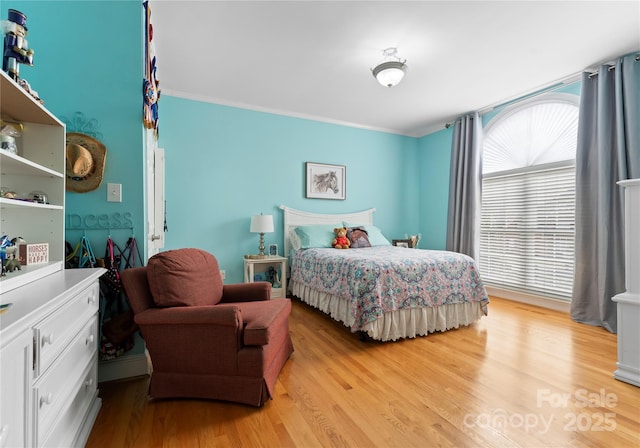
point(274, 278)
point(5, 243)
point(8, 252)
point(9, 131)
point(26, 86)
point(12, 264)
point(15, 50)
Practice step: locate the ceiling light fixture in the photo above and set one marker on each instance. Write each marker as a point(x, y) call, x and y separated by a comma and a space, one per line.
point(390, 71)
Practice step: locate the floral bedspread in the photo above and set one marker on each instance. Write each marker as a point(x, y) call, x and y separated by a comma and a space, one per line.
point(388, 278)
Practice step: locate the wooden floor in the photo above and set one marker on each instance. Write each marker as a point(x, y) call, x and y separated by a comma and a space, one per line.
point(521, 377)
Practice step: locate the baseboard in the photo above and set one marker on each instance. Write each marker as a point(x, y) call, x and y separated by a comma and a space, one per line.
point(530, 299)
point(627, 374)
point(126, 366)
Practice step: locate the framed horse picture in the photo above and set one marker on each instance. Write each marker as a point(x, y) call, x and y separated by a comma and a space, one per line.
point(326, 181)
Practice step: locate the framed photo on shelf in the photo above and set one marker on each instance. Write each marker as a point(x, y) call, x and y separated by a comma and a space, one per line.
point(273, 250)
point(408, 243)
point(326, 181)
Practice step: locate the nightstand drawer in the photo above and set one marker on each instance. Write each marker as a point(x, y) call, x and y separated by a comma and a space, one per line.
point(55, 333)
point(52, 392)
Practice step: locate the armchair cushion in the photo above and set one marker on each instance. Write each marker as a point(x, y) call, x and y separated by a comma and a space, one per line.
point(184, 277)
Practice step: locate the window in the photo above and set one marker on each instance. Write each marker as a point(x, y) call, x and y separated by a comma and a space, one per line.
point(528, 197)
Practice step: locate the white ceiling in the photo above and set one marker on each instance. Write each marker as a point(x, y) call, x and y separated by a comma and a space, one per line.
point(312, 59)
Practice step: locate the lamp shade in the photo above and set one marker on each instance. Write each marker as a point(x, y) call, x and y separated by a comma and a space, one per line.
point(261, 223)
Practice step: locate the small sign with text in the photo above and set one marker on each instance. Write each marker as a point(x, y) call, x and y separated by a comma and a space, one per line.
point(34, 253)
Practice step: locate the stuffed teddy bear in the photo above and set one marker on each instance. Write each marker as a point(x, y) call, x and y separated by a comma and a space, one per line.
point(340, 241)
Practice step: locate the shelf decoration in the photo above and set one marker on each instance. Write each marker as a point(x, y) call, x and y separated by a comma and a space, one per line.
point(15, 49)
point(83, 125)
point(9, 131)
point(86, 158)
point(150, 86)
point(34, 253)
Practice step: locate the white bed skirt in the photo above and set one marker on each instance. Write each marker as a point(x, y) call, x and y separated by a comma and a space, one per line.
point(406, 323)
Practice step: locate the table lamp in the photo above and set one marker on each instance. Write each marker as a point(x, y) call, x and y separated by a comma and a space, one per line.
point(261, 224)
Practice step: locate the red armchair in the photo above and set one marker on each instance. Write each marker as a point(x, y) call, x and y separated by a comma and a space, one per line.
point(206, 339)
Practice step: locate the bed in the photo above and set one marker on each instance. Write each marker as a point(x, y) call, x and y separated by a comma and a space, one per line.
point(383, 291)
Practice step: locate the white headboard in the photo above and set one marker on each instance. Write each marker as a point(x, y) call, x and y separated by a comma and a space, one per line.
point(294, 218)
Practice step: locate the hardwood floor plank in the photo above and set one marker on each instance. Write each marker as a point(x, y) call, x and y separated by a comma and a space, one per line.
point(521, 377)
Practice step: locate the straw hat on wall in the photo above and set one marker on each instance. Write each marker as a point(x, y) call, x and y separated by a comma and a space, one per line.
point(86, 157)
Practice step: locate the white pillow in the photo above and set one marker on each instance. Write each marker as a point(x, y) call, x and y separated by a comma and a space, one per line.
point(294, 239)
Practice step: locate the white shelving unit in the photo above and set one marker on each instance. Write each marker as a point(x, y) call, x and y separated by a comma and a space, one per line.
point(49, 323)
point(629, 301)
point(39, 166)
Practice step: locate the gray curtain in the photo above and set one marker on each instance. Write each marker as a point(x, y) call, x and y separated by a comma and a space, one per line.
point(465, 187)
point(608, 151)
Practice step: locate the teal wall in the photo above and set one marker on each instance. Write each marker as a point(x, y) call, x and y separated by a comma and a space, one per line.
point(224, 164)
point(89, 58)
point(434, 158)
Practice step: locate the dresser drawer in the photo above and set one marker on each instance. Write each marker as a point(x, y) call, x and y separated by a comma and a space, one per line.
point(69, 421)
point(56, 331)
point(55, 389)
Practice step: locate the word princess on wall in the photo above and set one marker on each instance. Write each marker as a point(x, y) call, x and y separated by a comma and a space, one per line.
point(102, 221)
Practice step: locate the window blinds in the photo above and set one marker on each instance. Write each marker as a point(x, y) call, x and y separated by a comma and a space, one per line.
point(527, 229)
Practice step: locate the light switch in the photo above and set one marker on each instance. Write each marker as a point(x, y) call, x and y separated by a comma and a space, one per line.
point(114, 192)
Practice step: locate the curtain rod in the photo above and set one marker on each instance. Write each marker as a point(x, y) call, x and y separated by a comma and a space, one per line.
point(541, 90)
point(567, 80)
point(611, 67)
point(533, 93)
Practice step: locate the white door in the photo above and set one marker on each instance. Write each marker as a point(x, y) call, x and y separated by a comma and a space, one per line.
point(157, 237)
point(155, 195)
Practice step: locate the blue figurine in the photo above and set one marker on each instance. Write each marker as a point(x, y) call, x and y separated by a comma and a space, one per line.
point(4, 243)
point(16, 49)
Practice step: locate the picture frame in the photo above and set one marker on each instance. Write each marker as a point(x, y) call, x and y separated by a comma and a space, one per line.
point(408, 243)
point(325, 181)
point(273, 250)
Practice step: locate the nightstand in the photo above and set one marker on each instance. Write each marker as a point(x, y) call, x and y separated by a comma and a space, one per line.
point(259, 267)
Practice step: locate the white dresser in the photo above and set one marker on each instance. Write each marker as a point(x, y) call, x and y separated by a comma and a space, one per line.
point(49, 360)
point(49, 333)
point(629, 301)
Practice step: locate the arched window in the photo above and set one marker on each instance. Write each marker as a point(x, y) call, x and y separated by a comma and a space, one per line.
point(528, 197)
